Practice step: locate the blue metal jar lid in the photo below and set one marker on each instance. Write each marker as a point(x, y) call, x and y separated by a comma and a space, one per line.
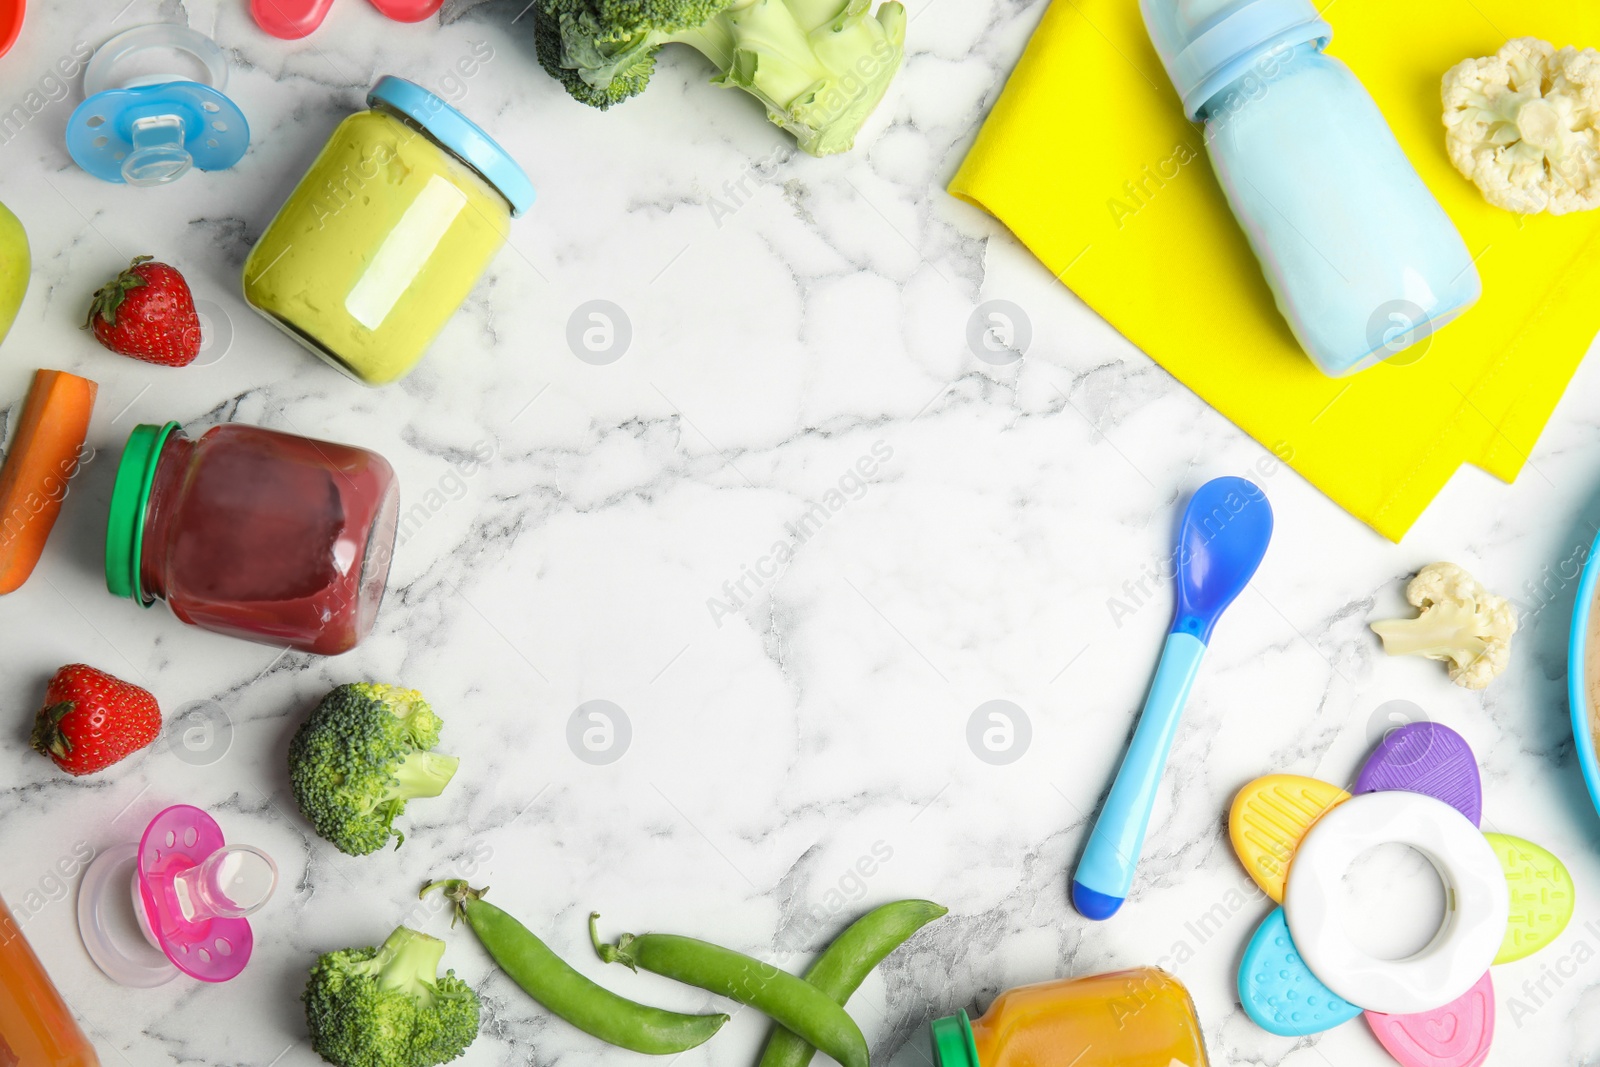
point(459, 134)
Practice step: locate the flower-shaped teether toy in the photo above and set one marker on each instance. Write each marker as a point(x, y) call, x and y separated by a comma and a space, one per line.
point(1504, 899)
point(149, 128)
point(174, 902)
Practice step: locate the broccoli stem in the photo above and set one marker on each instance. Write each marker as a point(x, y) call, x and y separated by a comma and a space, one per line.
point(421, 774)
point(815, 13)
point(408, 962)
point(819, 66)
point(770, 32)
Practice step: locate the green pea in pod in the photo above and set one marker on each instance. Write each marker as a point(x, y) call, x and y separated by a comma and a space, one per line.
point(791, 1002)
point(551, 981)
point(845, 964)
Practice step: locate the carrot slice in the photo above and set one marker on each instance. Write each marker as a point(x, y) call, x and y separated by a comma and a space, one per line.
point(44, 455)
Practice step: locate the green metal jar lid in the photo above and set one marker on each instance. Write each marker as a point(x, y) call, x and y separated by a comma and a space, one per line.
point(136, 473)
point(952, 1041)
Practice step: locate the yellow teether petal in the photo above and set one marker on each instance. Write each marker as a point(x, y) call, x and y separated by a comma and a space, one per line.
point(1542, 896)
point(1268, 819)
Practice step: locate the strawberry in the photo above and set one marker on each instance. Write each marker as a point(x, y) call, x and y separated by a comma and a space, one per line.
point(147, 312)
point(90, 720)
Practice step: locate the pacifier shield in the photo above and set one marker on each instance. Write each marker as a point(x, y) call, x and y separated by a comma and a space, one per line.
point(211, 949)
point(289, 19)
point(408, 10)
point(294, 19)
point(121, 135)
point(1427, 758)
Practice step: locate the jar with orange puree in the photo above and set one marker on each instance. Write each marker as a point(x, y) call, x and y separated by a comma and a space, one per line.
point(1135, 1018)
point(37, 1029)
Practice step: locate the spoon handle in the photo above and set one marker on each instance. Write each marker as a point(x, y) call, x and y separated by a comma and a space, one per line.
point(1105, 871)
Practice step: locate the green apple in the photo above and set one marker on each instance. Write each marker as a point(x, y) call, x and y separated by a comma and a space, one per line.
point(15, 265)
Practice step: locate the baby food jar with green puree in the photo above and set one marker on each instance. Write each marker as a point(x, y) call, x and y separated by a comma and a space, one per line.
point(387, 233)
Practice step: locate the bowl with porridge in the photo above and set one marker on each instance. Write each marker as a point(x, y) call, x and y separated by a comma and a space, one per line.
point(1583, 672)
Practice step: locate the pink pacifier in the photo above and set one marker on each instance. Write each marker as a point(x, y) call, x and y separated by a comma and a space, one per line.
point(294, 19)
point(174, 902)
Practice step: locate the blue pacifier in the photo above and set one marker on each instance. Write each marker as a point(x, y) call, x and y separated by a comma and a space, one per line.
point(150, 128)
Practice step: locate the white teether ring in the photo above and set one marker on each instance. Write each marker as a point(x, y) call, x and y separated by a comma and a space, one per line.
point(1476, 902)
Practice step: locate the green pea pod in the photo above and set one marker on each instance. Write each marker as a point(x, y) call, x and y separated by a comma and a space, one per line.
point(551, 981)
point(845, 964)
point(791, 1002)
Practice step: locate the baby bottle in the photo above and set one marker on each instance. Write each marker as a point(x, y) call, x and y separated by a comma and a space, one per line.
point(1137, 1018)
point(1362, 261)
point(36, 1028)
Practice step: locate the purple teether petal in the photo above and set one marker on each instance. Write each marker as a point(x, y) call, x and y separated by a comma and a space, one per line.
point(1425, 757)
point(1456, 1035)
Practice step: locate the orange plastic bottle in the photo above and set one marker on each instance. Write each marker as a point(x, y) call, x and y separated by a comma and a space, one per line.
point(36, 1028)
point(1137, 1018)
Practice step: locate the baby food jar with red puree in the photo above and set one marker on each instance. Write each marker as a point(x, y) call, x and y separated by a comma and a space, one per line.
point(254, 533)
point(387, 233)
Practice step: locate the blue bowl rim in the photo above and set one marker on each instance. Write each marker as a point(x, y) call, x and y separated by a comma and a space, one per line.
point(1577, 684)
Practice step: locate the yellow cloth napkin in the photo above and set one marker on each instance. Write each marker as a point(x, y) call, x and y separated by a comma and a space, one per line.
point(1088, 159)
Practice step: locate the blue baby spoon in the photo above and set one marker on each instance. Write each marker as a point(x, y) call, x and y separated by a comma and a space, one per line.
point(1225, 532)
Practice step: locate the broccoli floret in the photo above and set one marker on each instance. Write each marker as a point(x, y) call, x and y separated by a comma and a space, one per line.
point(388, 1006)
point(819, 66)
point(359, 757)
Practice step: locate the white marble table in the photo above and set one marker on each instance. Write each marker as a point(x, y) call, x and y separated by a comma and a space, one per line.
point(793, 323)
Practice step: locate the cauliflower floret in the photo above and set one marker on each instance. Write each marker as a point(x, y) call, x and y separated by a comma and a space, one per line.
point(1524, 126)
point(1461, 623)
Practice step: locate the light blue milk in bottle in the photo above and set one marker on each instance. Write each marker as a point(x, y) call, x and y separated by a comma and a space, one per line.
point(1362, 260)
